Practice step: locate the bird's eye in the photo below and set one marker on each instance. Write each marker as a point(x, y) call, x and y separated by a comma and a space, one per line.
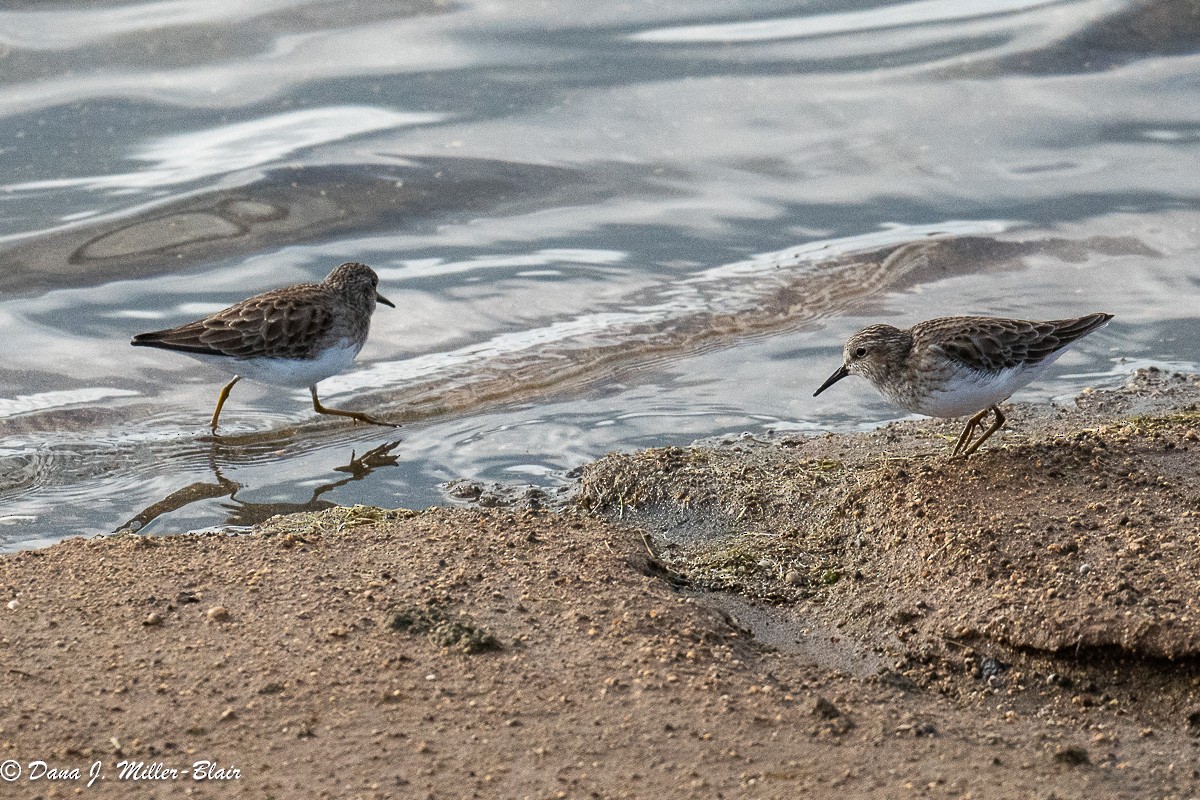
point(860, 352)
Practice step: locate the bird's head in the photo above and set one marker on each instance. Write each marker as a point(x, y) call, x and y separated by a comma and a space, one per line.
point(872, 353)
point(358, 281)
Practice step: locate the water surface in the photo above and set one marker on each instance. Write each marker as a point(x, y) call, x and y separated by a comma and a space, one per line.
point(605, 226)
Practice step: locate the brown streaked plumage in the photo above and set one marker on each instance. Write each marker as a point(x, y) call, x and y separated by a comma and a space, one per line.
point(953, 366)
point(295, 336)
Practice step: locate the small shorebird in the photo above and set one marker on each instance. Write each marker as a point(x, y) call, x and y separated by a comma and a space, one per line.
point(296, 336)
point(954, 366)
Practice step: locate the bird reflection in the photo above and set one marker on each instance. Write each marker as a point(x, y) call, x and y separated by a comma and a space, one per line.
point(245, 514)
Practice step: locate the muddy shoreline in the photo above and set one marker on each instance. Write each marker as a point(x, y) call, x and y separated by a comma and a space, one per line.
point(845, 615)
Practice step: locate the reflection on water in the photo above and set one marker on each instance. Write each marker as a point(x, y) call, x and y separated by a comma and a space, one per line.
point(605, 226)
point(245, 514)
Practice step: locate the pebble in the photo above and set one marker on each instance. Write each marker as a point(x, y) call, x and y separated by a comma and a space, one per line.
point(824, 708)
point(152, 619)
point(991, 668)
point(217, 613)
point(1073, 756)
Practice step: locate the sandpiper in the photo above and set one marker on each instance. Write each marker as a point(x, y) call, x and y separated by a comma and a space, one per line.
point(296, 336)
point(953, 366)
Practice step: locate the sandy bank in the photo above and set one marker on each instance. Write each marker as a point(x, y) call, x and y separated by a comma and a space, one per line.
point(811, 617)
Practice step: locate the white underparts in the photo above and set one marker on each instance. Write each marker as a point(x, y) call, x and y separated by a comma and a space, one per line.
point(969, 391)
point(293, 372)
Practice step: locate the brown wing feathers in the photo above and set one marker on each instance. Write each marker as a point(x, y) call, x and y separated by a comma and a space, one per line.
point(994, 344)
point(272, 325)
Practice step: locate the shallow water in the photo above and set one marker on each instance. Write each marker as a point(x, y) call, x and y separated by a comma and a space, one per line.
point(606, 226)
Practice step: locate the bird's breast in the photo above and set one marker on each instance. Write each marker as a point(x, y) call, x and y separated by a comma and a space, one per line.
point(965, 391)
point(293, 372)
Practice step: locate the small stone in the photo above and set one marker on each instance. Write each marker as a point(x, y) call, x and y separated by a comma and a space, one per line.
point(217, 613)
point(12, 605)
point(824, 708)
point(1074, 756)
point(228, 713)
point(464, 490)
point(152, 619)
point(991, 668)
point(1062, 681)
point(794, 578)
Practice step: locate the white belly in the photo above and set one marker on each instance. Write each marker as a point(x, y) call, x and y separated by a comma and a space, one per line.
point(968, 392)
point(294, 372)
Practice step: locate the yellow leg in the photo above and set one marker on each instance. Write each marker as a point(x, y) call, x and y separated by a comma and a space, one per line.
point(221, 401)
point(354, 415)
point(968, 433)
point(995, 427)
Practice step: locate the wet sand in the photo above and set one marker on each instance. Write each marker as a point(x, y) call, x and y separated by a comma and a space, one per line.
point(837, 616)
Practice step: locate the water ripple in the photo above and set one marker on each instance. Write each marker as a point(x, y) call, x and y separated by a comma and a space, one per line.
point(922, 12)
point(187, 157)
point(43, 401)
